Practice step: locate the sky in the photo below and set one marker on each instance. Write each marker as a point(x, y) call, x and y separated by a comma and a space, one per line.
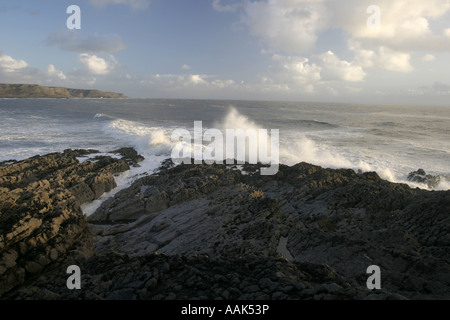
point(355, 51)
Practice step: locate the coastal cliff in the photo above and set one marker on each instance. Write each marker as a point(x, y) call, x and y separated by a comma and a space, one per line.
point(218, 232)
point(37, 91)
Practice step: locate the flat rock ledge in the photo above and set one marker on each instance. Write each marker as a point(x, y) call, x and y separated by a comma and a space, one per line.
point(227, 232)
point(41, 223)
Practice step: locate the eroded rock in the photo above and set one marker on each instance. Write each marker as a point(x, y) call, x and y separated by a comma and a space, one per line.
point(41, 223)
point(422, 177)
point(210, 231)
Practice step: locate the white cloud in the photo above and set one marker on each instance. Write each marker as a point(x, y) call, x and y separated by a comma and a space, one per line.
point(9, 64)
point(222, 83)
point(286, 25)
point(294, 71)
point(18, 71)
point(97, 65)
point(197, 79)
point(332, 91)
point(405, 24)
point(187, 83)
point(133, 4)
point(381, 58)
point(300, 73)
point(294, 25)
point(53, 72)
point(428, 58)
point(394, 61)
point(185, 67)
point(446, 32)
point(334, 69)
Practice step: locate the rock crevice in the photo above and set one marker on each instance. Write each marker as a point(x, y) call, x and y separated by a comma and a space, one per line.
point(41, 223)
point(214, 232)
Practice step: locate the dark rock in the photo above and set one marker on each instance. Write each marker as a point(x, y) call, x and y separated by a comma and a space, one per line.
point(79, 152)
point(123, 294)
point(421, 177)
point(210, 232)
point(129, 155)
point(41, 223)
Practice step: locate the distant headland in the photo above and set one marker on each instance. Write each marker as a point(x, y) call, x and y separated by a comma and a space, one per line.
point(37, 91)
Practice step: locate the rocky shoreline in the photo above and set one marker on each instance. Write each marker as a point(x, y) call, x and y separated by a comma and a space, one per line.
point(217, 232)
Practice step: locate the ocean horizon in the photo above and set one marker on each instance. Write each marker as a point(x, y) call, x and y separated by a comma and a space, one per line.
point(390, 140)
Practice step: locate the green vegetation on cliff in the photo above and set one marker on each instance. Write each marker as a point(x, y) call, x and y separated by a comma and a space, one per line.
point(37, 91)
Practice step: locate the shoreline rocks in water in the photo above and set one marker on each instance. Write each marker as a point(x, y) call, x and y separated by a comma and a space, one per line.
point(214, 232)
point(421, 176)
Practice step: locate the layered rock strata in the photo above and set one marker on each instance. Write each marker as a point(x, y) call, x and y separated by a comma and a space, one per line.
point(41, 223)
point(219, 232)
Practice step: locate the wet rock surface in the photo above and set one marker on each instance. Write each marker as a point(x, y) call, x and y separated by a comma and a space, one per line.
point(214, 232)
point(421, 176)
point(41, 223)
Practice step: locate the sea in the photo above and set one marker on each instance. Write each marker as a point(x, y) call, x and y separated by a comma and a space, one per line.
point(388, 139)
